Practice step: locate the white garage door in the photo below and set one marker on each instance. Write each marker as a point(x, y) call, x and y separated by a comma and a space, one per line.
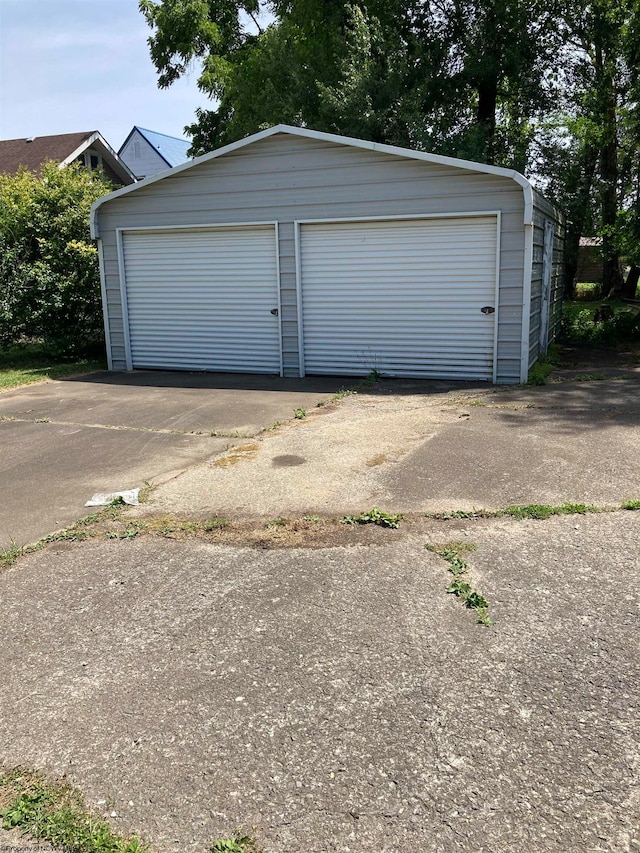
point(403, 297)
point(202, 299)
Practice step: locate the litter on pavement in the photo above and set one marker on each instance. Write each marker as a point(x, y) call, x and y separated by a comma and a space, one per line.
point(129, 496)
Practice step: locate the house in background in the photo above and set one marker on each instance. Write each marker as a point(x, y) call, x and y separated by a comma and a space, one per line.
point(89, 148)
point(147, 153)
point(589, 260)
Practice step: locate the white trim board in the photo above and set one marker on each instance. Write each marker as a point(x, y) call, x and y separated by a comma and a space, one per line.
point(526, 302)
point(105, 306)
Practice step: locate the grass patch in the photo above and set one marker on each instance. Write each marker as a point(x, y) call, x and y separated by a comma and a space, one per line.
point(545, 365)
point(631, 505)
point(588, 291)
point(460, 586)
point(25, 364)
point(589, 377)
point(299, 414)
point(373, 516)
point(370, 379)
point(535, 511)
point(542, 511)
point(84, 528)
point(463, 513)
point(215, 523)
point(55, 812)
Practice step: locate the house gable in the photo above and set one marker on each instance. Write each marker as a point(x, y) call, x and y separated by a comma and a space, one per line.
point(148, 153)
point(88, 148)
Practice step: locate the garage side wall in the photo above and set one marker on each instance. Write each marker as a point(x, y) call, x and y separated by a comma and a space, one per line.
point(543, 211)
point(285, 179)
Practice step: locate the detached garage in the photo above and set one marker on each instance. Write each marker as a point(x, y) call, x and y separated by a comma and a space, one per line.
point(296, 252)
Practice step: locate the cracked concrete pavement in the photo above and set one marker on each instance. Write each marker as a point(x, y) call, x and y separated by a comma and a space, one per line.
point(406, 448)
point(62, 441)
point(338, 699)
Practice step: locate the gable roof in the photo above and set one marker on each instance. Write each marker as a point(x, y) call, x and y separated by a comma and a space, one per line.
point(172, 149)
point(63, 148)
point(21, 152)
point(340, 140)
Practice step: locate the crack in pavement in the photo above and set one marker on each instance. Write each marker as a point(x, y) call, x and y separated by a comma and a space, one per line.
point(212, 432)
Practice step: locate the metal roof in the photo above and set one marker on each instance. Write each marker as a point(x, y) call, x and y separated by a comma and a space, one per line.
point(171, 148)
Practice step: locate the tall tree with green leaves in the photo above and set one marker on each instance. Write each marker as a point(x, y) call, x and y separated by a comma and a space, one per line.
point(589, 162)
point(463, 77)
point(545, 88)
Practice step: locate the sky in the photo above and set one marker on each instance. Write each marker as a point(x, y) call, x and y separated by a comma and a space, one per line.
point(74, 65)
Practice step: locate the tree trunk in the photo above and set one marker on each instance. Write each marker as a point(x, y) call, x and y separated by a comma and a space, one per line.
point(575, 227)
point(611, 268)
point(612, 282)
point(631, 284)
point(486, 115)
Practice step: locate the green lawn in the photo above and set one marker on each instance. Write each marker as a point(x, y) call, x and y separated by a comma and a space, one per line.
point(25, 364)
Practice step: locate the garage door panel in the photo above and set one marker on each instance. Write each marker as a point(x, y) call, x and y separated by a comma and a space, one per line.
point(202, 299)
point(401, 297)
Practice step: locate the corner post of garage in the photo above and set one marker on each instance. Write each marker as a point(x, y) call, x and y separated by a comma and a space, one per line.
point(105, 307)
point(123, 299)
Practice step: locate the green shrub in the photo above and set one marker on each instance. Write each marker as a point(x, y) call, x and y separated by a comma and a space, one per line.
point(49, 277)
point(581, 323)
point(587, 291)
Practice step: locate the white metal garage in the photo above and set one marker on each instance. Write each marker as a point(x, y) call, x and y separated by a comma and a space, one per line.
point(404, 297)
point(203, 298)
point(295, 251)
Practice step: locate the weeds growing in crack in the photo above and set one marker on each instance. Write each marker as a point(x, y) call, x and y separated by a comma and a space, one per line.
point(460, 586)
point(238, 843)
point(632, 505)
point(534, 511)
point(373, 516)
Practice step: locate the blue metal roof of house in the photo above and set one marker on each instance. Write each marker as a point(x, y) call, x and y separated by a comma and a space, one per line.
point(170, 148)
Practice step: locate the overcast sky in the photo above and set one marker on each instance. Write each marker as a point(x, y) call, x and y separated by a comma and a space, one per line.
point(74, 65)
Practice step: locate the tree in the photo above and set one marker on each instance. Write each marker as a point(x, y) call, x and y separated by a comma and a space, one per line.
point(548, 89)
point(462, 77)
point(49, 277)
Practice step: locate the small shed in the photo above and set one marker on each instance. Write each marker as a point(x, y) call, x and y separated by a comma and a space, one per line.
point(589, 260)
point(297, 252)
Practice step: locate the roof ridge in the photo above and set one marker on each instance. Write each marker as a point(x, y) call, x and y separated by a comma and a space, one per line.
point(159, 133)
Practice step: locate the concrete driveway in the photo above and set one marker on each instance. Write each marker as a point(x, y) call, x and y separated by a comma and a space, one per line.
point(62, 441)
point(337, 699)
point(418, 447)
point(327, 694)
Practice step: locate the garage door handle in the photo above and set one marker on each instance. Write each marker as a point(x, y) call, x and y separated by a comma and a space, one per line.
point(488, 309)
point(274, 311)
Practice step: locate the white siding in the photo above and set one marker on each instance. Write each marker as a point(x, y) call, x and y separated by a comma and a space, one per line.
point(285, 178)
point(202, 299)
point(401, 297)
point(142, 158)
